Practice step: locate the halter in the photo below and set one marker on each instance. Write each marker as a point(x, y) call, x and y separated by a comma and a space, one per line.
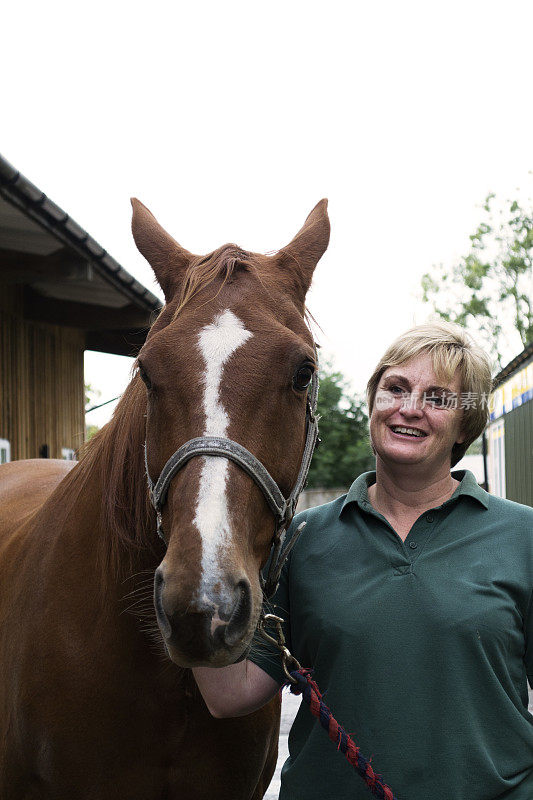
point(283, 509)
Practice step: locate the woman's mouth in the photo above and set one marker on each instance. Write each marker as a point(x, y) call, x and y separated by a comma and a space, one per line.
point(407, 432)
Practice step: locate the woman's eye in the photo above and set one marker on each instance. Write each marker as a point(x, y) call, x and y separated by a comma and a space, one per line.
point(436, 399)
point(303, 378)
point(396, 389)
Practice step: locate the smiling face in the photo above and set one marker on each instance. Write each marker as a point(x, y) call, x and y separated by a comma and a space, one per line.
point(413, 421)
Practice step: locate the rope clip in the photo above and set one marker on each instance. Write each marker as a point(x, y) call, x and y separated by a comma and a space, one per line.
point(279, 641)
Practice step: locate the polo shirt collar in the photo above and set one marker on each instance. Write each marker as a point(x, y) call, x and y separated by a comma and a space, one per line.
point(468, 486)
point(358, 492)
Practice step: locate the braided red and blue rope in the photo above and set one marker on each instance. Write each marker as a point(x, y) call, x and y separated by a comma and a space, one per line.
point(310, 692)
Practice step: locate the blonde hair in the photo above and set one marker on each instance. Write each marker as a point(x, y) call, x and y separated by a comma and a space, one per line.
point(452, 349)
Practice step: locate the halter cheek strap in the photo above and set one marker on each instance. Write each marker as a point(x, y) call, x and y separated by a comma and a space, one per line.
point(283, 509)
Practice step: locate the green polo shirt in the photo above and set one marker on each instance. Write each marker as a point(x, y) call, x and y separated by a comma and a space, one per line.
point(421, 648)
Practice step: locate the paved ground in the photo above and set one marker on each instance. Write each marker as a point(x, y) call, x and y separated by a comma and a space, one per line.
point(289, 707)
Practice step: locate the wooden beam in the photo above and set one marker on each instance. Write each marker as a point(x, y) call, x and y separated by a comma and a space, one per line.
point(82, 315)
point(120, 343)
point(16, 267)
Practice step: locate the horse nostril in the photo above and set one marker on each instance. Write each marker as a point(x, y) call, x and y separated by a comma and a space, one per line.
point(240, 614)
point(162, 618)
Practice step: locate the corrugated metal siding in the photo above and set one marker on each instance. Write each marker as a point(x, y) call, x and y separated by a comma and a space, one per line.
point(519, 454)
point(41, 376)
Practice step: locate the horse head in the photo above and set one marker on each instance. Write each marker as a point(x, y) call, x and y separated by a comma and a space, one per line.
point(229, 356)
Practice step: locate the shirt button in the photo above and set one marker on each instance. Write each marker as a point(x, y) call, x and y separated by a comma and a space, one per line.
point(413, 545)
point(429, 518)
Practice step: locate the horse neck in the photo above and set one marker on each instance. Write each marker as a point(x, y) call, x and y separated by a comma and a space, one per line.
point(108, 490)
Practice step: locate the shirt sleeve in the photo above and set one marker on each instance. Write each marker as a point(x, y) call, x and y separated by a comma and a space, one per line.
point(529, 641)
point(262, 653)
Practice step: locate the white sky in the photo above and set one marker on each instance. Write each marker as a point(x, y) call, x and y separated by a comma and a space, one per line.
point(231, 120)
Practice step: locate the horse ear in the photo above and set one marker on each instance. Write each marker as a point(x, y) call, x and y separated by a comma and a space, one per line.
point(167, 258)
point(298, 260)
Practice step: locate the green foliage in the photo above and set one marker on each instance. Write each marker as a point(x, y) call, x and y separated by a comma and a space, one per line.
point(476, 448)
point(91, 395)
point(90, 430)
point(344, 451)
point(490, 290)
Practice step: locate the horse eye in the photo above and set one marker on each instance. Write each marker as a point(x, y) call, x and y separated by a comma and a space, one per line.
point(303, 377)
point(144, 377)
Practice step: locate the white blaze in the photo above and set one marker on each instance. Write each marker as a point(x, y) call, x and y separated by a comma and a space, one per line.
point(217, 342)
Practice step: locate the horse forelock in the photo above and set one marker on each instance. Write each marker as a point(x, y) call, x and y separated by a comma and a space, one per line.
point(203, 270)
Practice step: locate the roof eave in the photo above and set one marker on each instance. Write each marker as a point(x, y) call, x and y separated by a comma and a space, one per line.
point(513, 365)
point(18, 190)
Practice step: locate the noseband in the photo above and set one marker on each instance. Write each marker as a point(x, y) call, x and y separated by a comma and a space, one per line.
point(283, 509)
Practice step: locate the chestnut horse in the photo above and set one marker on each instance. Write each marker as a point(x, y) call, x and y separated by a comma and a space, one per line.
point(96, 700)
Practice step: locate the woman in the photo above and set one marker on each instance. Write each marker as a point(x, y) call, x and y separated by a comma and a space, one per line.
point(411, 598)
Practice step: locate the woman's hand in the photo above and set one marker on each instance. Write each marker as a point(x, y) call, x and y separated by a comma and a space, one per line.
point(236, 690)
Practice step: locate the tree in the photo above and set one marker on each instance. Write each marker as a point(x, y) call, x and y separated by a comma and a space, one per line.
point(90, 431)
point(490, 290)
point(91, 395)
point(344, 451)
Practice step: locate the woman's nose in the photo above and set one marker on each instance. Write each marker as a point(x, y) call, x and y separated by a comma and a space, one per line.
point(412, 405)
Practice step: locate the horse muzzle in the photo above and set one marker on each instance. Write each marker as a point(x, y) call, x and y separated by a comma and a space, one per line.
point(211, 630)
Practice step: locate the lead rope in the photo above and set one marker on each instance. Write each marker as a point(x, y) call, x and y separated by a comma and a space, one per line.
point(300, 682)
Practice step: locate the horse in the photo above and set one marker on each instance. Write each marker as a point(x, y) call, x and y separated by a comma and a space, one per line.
point(100, 620)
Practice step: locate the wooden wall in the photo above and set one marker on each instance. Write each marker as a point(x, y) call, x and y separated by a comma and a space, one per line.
point(41, 379)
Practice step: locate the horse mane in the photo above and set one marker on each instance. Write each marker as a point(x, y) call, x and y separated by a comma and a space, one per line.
point(116, 454)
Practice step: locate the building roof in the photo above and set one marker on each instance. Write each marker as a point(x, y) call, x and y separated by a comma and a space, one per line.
point(67, 277)
point(518, 361)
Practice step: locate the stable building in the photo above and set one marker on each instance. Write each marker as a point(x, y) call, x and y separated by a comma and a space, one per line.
point(60, 293)
point(509, 435)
